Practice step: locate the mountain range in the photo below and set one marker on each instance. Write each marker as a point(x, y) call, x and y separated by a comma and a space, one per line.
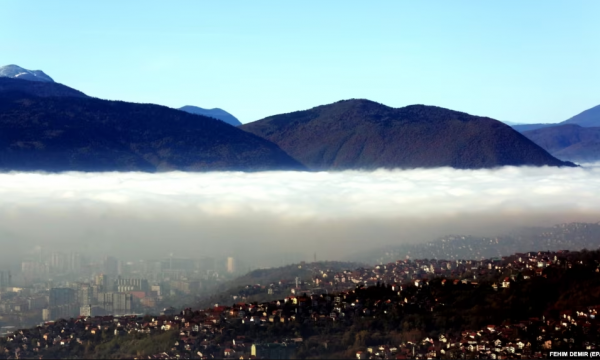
point(575, 139)
point(587, 118)
point(51, 127)
point(362, 134)
point(67, 133)
point(216, 113)
point(568, 142)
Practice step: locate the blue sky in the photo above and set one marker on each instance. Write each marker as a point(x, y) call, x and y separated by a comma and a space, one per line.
point(520, 61)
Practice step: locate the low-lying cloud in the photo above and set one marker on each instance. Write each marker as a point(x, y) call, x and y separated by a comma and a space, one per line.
point(257, 216)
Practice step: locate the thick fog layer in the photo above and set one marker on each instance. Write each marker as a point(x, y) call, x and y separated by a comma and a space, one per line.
point(260, 216)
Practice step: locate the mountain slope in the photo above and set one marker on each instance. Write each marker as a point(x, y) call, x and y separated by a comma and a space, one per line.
point(36, 88)
point(213, 113)
point(588, 118)
point(569, 141)
point(361, 134)
point(86, 134)
point(17, 72)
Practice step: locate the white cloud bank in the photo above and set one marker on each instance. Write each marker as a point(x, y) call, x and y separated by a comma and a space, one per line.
point(254, 214)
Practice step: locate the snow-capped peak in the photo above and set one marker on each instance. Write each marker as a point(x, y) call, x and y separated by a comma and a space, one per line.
point(17, 72)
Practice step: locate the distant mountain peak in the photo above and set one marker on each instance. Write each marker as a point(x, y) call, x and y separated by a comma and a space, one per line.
point(17, 72)
point(214, 113)
point(587, 118)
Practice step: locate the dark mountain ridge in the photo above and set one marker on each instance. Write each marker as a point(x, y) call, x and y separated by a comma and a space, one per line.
point(362, 134)
point(77, 133)
point(13, 87)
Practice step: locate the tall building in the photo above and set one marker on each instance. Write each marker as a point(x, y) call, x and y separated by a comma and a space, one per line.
point(115, 303)
point(37, 302)
point(130, 284)
point(111, 266)
point(47, 315)
point(102, 281)
point(59, 263)
point(61, 296)
point(62, 303)
point(230, 265)
point(5, 279)
point(31, 269)
point(91, 310)
point(84, 294)
point(62, 311)
point(75, 261)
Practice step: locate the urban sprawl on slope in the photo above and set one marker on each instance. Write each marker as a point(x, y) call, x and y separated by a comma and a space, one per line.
point(408, 309)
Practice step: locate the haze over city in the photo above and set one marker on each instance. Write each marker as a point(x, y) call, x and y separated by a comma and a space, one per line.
point(259, 216)
point(260, 180)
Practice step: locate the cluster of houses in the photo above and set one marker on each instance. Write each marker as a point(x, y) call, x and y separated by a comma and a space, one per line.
point(210, 333)
point(520, 265)
point(528, 339)
point(564, 236)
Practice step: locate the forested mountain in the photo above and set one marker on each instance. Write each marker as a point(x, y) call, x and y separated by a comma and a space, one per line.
point(68, 131)
point(9, 87)
point(362, 134)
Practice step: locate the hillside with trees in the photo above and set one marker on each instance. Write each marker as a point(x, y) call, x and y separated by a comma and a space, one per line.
point(362, 134)
point(69, 133)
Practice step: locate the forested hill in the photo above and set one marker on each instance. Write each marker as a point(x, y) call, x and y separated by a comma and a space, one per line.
point(70, 132)
point(14, 87)
point(362, 134)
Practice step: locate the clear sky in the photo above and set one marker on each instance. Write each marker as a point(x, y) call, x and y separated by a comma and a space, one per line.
point(520, 61)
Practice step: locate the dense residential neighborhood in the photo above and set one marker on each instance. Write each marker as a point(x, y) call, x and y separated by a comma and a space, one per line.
point(323, 317)
point(571, 236)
